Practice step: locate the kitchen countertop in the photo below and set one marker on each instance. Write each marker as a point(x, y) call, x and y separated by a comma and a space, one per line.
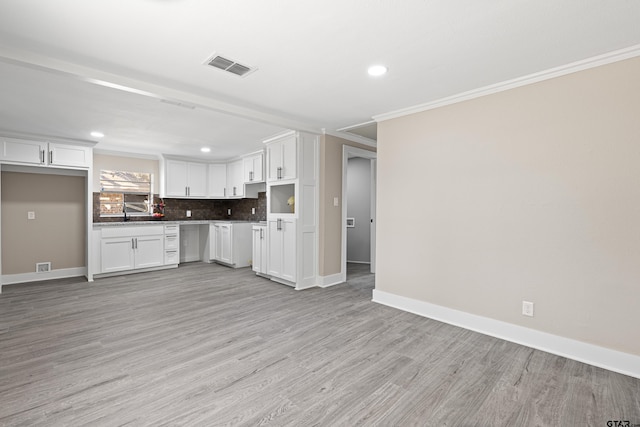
point(163, 222)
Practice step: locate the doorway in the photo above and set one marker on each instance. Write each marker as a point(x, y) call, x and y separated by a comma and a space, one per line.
point(358, 208)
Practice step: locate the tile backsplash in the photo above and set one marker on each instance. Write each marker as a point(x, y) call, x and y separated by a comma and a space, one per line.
point(201, 209)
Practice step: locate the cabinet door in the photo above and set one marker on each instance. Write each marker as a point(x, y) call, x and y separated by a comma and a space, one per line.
point(289, 254)
point(69, 155)
point(149, 251)
point(281, 241)
point(259, 258)
point(117, 254)
point(289, 158)
point(225, 236)
point(23, 151)
point(197, 179)
point(274, 161)
point(274, 245)
point(213, 241)
point(252, 167)
point(235, 184)
point(282, 159)
point(176, 178)
point(217, 180)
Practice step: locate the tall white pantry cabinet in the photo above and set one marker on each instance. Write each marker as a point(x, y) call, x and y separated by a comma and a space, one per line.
point(292, 209)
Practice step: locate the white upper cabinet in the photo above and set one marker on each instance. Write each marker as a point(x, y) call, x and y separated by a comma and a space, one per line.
point(69, 155)
point(44, 153)
point(217, 180)
point(282, 158)
point(235, 183)
point(253, 168)
point(185, 179)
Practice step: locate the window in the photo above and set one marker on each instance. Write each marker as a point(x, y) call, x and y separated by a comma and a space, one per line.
point(128, 192)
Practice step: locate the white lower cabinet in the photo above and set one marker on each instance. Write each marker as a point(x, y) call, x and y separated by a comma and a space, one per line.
point(259, 258)
point(129, 248)
point(230, 243)
point(281, 241)
point(124, 248)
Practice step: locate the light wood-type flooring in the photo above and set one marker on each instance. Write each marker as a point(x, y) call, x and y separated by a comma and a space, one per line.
point(205, 345)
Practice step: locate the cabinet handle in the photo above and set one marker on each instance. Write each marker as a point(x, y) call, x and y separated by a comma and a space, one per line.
point(42, 156)
point(136, 239)
point(51, 157)
point(279, 224)
point(225, 192)
point(234, 191)
point(261, 236)
point(279, 175)
point(133, 246)
point(250, 175)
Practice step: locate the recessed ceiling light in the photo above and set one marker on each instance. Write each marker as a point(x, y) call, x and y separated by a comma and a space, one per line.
point(97, 134)
point(205, 149)
point(377, 70)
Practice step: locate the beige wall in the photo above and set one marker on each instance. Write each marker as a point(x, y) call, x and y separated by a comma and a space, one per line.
point(57, 234)
point(331, 216)
point(127, 164)
point(532, 193)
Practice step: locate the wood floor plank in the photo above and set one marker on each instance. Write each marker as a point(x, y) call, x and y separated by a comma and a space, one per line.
point(207, 345)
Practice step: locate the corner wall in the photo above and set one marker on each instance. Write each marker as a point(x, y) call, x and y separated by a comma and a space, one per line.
point(528, 194)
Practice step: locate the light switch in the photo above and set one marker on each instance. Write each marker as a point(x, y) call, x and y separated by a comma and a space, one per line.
point(336, 201)
point(31, 215)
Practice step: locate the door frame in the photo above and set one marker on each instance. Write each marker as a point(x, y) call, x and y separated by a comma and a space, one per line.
point(347, 153)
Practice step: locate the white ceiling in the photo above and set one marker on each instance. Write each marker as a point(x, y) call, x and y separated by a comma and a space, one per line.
point(311, 57)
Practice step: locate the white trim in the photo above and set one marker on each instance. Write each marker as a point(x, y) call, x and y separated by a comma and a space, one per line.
point(279, 136)
point(331, 280)
point(596, 61)
point(348, 128)
point(613, 360)
point(351, 137)
point(116, 153)
point(12, 279)
point(135, 271)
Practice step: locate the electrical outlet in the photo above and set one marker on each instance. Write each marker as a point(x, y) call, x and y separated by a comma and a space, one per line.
point(253, 211)
point(336, 201)
point(188, 214)
point(229, 212)
point(527, 308)
point(31, 215)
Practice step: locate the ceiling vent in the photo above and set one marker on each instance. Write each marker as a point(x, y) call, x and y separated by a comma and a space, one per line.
point(229, 65)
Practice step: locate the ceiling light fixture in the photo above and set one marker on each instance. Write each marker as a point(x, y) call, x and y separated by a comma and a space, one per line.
point(97, 134)
point(205, 149)
point(377, 70)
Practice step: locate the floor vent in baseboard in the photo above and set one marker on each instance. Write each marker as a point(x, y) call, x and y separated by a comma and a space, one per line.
point(43, 267)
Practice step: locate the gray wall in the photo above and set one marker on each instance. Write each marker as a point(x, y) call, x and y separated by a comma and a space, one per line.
point(527, 194)
point(359, 207)
point(58, 232)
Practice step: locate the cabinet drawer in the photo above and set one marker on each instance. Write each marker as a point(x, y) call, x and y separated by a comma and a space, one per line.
point(171, 229)
point(171, 242)
point(171, 257)
point(127, 231)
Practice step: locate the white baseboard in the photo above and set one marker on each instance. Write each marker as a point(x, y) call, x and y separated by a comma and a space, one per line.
point(12, 279)
point(613, 360)
point(331, 280)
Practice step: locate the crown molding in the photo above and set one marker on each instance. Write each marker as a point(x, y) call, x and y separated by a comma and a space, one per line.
point(351, 137)
point(585, 64)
